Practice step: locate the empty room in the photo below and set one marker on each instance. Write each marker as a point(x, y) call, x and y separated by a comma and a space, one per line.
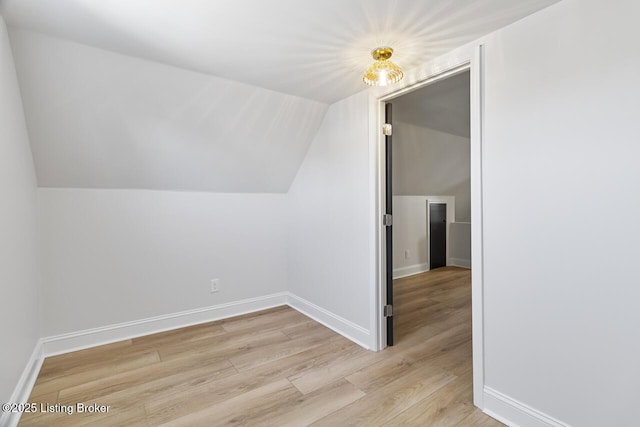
point(354, 212)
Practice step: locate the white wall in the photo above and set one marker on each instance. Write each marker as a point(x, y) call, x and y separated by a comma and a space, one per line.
point(561, 282)
point(19, 320)
point(410, 232)
point(460, 237)
point(111, 256)
point(329, 207)
point(427, 161)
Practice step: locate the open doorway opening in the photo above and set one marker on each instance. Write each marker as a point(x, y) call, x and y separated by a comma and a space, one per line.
point(431, 181)
point(431, 198)
point(470, 60)
point(428, 176)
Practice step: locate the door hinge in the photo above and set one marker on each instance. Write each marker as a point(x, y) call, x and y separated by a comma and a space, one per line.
point(388, 311)
point(387, 220)
point(387, 129)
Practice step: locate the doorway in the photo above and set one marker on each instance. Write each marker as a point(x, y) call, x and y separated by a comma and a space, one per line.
point(473, 68)
point(437, 235)
point(428, 182)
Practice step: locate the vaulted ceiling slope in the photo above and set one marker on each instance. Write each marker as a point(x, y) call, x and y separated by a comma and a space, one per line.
point(200, 95)
point(443, 106)
point(313, 49)
point(98, 119)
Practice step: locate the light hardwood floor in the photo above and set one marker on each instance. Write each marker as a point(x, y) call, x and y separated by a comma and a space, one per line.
point(280, 368)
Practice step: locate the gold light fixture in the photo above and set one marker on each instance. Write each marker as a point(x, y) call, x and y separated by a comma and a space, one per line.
point(382, 72)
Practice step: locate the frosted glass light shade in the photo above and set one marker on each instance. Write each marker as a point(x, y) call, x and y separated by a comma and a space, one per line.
point(382, 72)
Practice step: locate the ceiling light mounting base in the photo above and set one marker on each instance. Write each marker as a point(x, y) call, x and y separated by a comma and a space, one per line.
point(382, 53)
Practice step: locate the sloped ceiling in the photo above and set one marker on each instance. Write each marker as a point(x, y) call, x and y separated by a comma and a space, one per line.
point(443, 106)
point(201, 95)
point(98, 119)
point(313, 49)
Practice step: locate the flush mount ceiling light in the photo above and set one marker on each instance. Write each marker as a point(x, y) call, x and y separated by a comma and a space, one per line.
point(382, 72)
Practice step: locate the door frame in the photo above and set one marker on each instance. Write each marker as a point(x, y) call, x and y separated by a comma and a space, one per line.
point(469, 59)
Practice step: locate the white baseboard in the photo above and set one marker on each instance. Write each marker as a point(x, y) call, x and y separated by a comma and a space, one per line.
point(65, 343)
point(25, 384)
point(344, 327)
point(460, 262)
point(514, 413)
point(410, 270)
point(74, 341)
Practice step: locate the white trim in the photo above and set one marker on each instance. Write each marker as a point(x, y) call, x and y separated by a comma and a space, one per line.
point(74, 341)
point(377, 228)
point(477, 248)
point(410, 270)
point(459, 262)
point(25, 384)
point(376, 264)
point(515, 413)
point(344, 327)
point(66, 343)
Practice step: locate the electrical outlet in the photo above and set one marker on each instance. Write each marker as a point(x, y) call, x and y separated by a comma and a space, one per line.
point(407, 254)
point(215, 285)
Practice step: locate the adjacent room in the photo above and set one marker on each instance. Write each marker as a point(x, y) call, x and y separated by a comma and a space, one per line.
point(348, 212)
point(431, 191)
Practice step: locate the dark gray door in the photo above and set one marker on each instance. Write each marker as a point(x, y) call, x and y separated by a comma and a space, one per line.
point(389, 232)
point(437, 235)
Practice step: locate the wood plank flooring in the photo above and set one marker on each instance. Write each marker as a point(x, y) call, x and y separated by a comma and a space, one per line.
point(279, 368)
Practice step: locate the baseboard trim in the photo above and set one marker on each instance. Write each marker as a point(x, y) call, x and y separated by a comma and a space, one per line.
point(410, 270)
point(74, 341)
point(66, 343)
point(344, 327)
point(515, 413)
point(25, 384)
point(80, 340)
point(460, 262)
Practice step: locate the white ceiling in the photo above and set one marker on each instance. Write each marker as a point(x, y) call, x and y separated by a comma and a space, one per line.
point(308, 48)
point(210, 95)
point(443, 106)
